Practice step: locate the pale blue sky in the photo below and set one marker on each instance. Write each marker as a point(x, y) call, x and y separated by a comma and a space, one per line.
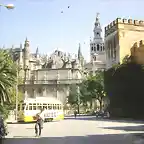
point(44, 25)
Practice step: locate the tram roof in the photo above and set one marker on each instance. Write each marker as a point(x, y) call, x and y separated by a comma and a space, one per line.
point(49, 100)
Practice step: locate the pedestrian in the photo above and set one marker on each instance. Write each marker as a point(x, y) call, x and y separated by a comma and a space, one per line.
point(75, 114)
point(39, 123)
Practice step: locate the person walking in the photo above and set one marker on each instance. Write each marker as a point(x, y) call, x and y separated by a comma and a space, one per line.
point(39, 123)
point(75, 114)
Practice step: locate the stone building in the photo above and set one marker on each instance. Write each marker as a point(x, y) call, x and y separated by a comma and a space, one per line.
point(120, 35)
point(47, 76)
point(97, 50)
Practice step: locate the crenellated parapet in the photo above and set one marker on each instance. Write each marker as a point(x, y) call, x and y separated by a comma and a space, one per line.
point(113, 25)
point(137, 52)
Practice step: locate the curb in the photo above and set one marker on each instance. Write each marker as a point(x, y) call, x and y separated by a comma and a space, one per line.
point(13, 122)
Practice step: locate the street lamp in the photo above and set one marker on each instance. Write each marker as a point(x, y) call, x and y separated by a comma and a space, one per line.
point(57, 78)
point(8, 6)
point(16, 112)
point(25, 81)
point(78, 97)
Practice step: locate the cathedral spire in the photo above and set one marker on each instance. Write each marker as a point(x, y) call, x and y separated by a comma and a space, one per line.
point(20, 46)
point(37, 51)
point(79, 52)
point(26, 45)
point(26, 39)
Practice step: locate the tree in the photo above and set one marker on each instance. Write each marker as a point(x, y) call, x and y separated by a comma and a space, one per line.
point(7, 76)
point(78, 96)
point(72, 98)
point(96, 86)
point(85, 95)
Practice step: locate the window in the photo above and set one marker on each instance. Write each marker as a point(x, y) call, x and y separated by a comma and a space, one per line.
point(101, 48)
point(23, 106)
point(98, 34)
point(97, 47)
point(92, 48)
point(45, 106)
point(39, 91)
point(34, 106)
point(49, 106)
point(30, 106)
point(58, 53)
point(58, 106)
point(94, 58)
point(54, 107)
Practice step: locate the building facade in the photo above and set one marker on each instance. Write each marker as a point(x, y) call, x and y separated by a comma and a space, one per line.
point(120, 35)
point(47, 76)
point(97, 49)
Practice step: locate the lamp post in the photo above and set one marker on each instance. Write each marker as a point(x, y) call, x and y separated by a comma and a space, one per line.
point(57, 78)
point(78, 97)
point(16, 112)
point(25, 81)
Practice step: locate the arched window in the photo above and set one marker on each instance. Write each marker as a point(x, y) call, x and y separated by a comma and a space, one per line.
point(39, 90)
point(98, 34)
point(94, 58)
point(101, 48)
point(58, 53)
point(98, 47)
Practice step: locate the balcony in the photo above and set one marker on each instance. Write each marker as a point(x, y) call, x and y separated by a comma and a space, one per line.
point(51, 82)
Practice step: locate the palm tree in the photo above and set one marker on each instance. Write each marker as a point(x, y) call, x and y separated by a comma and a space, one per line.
point(7, 75)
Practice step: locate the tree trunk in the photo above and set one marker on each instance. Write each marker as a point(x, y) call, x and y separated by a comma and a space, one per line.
point(78, 108)
point(100, 102)
point(91, 104)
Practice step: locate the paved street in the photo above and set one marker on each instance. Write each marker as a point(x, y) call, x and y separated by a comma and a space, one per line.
point(83, 130)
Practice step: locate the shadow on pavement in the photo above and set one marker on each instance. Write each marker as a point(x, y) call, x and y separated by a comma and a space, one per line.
point(93, 118)
point(127, 128)
point(89, 139)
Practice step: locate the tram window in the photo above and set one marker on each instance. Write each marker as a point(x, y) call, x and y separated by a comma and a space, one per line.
point(23, 106)
point(58, 106)
point(39, 107)
point(27, 107)
point(54, 106)
point(34, 106)
point(44, 106)
point(49, 106)
point(30, 106)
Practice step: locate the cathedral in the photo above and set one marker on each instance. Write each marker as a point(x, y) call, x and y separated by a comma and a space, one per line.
point(97, 50)
point(47, 75)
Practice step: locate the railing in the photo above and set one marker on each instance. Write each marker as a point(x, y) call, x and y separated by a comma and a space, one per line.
point(54, 81)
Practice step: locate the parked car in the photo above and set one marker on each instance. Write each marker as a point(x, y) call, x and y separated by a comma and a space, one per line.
point(101, 114)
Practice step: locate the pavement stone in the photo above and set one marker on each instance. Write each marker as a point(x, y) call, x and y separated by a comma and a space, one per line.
point(83, 130)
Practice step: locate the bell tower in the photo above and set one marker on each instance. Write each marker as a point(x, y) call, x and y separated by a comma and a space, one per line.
point(97, 45)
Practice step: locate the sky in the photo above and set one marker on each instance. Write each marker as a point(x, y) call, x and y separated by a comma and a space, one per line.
point(45, 27)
